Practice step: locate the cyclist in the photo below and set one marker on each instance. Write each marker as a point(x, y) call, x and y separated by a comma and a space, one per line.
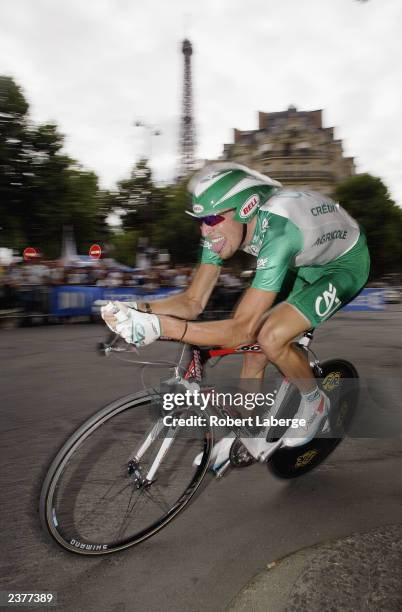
point(312, 259)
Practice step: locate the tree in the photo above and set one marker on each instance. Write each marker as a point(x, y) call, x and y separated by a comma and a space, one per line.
point(124, 246)
point(141, 200)
point(42, 189)
point(176, 231)
point(14, 158)
point(367, 199)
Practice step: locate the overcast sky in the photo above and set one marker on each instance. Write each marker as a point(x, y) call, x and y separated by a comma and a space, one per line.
point(96, 67)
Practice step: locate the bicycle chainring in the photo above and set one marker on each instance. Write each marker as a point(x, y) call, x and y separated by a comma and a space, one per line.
point(239, 456)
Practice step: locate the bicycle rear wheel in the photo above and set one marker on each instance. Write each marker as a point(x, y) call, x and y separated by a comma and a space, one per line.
point(339, 381)
point(96, 498)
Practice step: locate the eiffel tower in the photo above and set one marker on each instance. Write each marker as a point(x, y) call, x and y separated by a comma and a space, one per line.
point(187, 131)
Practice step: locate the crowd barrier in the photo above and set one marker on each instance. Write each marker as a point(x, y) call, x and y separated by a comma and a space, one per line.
point(85, 301)
point(76, 300)
point(372, 298)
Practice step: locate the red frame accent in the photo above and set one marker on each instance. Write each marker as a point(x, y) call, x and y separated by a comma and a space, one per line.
point(234, 351)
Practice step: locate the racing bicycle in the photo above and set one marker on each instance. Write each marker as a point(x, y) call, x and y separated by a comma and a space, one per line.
point(123, 475)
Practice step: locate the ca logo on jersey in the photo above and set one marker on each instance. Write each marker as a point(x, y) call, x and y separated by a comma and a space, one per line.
point(327, 302)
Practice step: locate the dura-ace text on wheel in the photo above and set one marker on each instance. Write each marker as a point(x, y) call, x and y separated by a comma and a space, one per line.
point(99, 495)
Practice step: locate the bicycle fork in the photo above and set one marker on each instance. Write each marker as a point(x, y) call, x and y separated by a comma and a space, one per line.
point(163, 449)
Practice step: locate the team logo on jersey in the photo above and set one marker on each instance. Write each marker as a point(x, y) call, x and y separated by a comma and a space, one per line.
point(328, 302)
point(198, 208)
point(249, 206)
point(262, 262)
point(207, 244)
point(254, 249)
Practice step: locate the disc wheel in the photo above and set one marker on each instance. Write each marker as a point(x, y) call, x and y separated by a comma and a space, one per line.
point(340, 382)
point(96, 497)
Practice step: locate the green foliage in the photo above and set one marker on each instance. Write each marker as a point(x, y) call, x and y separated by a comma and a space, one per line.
point(175, 231)
point(141, 200)
point(157, 213)
point(41, 189)
point(123, 246)
point(13, 157)
point(367, 199)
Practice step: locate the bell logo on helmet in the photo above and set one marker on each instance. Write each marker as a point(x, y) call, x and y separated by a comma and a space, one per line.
point(249, 206)
point(198, 208)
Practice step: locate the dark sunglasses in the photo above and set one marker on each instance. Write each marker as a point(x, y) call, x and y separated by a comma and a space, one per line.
point(212, 220)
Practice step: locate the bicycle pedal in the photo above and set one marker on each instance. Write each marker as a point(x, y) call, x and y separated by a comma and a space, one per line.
point(220, 471)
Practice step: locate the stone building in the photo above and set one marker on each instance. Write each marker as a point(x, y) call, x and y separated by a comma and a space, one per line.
point(293, 147)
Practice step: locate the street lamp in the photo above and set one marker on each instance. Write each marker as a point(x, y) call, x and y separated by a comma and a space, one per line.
point(151, 130)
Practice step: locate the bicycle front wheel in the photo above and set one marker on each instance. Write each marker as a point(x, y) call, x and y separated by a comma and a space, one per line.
point(97, 497)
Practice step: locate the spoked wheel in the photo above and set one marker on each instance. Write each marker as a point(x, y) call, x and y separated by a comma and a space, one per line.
point(99, 496)
point(340, 383)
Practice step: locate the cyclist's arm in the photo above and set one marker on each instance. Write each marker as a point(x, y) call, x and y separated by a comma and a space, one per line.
point(190, 303)
point(283, 241)
point(242, 328)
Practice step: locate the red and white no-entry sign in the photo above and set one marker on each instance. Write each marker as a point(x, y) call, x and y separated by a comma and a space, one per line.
point(30, 253)
point(95, 251)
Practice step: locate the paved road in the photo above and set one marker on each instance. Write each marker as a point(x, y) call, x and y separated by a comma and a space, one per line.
point(52, 380)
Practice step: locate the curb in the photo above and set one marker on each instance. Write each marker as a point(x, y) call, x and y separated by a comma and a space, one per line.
point(362, 572)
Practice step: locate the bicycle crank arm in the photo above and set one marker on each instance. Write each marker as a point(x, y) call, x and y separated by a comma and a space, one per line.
point(267, 454)
point(262, 453)
point(260, 449)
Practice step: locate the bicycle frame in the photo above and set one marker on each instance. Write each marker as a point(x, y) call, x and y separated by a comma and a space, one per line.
point(100, 496)
point(197, 359)
point(200, 356)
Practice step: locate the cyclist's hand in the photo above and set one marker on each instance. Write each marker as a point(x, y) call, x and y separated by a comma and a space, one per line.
point(110, 309)
point(130, 304)
point(135, 327)
point(108, 315)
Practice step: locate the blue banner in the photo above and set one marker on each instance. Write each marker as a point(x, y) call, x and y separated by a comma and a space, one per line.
point(132, 294)
point(368, 299)
point(77, 300)
point(73, 300)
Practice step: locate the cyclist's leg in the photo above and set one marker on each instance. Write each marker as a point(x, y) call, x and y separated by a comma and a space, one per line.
point(327, 289)
point(253, 371)
point(275, 338)
point(254, 364)
point(318, 293)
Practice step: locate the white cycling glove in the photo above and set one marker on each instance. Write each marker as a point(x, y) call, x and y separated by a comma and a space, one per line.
point(139, 328)
point(107, 311)
point(111, 308)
